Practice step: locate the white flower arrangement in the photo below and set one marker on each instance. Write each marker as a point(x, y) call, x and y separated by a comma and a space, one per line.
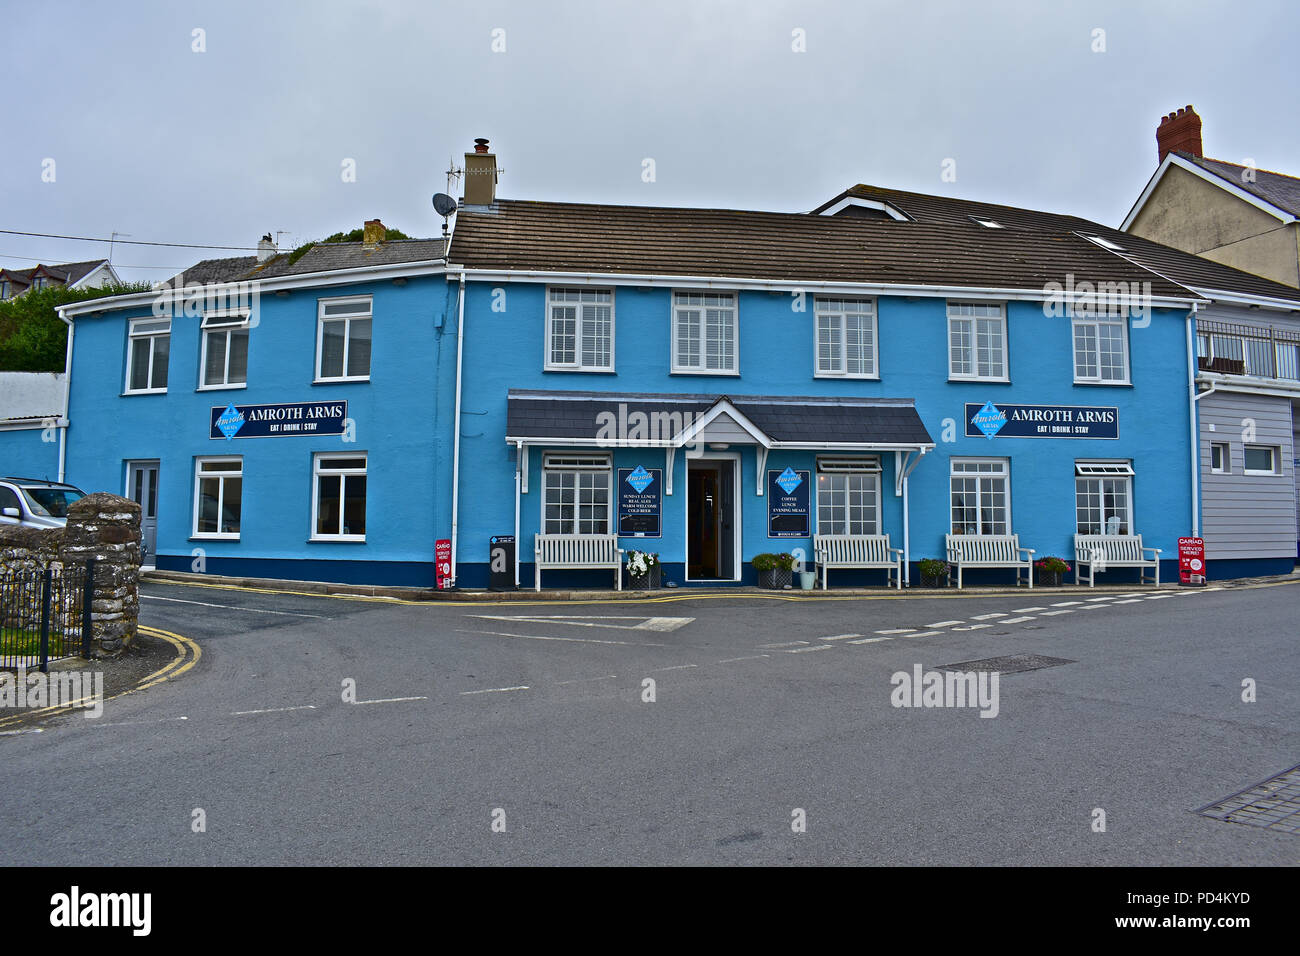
point(639, 563)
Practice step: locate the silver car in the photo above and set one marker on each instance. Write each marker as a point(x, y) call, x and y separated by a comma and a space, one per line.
point(35, 503)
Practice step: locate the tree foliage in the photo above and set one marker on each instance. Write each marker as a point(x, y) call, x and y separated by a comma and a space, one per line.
point(32, 336)
point(356, 235)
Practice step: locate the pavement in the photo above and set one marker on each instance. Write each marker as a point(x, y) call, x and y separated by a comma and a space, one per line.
point(691, 728)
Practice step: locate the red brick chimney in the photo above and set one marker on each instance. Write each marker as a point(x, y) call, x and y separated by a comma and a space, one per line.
point(1179, 133)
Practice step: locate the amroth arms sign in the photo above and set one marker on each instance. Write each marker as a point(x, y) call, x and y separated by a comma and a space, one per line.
point(1004, 420)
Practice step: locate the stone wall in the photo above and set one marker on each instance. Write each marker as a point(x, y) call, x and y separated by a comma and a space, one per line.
point(100, 526)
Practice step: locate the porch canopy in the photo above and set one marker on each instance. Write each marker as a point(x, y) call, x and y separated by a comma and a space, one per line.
point(673, 421)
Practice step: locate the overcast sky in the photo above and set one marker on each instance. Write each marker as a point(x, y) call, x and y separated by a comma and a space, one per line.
point(149, 137)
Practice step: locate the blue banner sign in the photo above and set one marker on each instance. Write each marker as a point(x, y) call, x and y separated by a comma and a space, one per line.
point(640, 502)
point(1003, 420)
point(278, 421)
point(787, 503)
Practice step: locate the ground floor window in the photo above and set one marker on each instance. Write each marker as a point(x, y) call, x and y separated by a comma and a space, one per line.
point(1261, 460)
point(981, 499)
point(848, 496)
point(1103, 495)
point(577, 494)
point(339, 497)
point(218, 497)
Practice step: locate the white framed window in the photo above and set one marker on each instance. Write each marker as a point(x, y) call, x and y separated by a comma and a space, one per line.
point(704, 333)
point(147, 350)
point(225, 350)
point(580, 330)
point(1100, 347)
point(343, 333)
point(977, 341)
point(1103, 497)
point(1261, 459)
point(338, 496)
point(577, 493)
point(218, 497)
point(846, 338)
point(981, 495)
point(1220, 458)
point(848, 496)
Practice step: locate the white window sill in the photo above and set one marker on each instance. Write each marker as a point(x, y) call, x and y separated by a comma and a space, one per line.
point(855, 377)
point(1098, 381)
point(1260, 474)
point(198, 536)
point(703, 371)
point(341, 381)
point(579, 368)
point(337, 539)
point(221, 388)
point(978, 378)
point(144, 391)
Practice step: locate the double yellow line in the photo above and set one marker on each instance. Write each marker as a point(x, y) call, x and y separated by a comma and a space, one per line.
point(187, 655)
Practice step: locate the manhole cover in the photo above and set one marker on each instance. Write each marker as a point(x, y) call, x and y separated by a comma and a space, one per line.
point(1011, 664)
point(1273, 804)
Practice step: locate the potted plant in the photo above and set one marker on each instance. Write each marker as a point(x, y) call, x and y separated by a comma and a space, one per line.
point(644, 570)
point(774, 570)
point(934, 573)
point(1050, 570)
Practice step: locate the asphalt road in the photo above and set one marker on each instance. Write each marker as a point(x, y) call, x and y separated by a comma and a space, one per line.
point(535, 717)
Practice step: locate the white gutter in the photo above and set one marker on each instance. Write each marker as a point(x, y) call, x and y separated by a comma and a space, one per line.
point(67, 392)
point(455, 452)
point(1193, 425)
point(787, 285)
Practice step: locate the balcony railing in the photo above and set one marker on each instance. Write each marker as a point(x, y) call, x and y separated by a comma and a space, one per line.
point(1248, 350)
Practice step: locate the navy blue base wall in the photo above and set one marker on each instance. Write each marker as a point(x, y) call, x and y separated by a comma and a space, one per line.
point(1246, 568)
point(409, 574)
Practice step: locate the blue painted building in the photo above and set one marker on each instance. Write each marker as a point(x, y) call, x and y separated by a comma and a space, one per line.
point(709, 385)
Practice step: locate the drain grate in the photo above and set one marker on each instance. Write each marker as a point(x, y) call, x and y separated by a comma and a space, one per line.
point(1273, 804)
point(1010, 664)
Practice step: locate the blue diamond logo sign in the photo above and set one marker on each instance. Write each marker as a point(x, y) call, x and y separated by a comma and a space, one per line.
point(640, 479)
point(990, 419)
point(788, 481)
point(230, 422)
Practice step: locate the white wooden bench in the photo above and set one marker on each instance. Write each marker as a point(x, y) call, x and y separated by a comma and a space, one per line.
point(1101, 552)
point(858, 551)
point(578, 551)
point(989, 551)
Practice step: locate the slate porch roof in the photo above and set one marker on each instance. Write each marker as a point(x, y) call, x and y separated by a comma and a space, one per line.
point(322, 257)
point(536, 415)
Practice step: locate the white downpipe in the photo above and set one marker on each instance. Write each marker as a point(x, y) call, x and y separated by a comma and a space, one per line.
point(455, 441)
point(1192, 422)
point(67, 393)
point(519, 466)
point(907, 539)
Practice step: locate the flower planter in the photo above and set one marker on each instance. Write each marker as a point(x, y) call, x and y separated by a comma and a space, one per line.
point(650, 580)
point(776, 579)
point(937, 582)
point(1048, 579)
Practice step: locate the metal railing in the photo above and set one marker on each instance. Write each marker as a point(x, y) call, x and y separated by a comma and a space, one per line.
point(1248, 350)
point(45, 615)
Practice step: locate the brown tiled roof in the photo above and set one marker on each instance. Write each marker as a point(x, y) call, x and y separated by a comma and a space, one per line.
point(1184, 268)
point(647, 240)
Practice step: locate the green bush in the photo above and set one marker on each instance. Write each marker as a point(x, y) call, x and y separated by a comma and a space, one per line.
point(932, 567)
point(772, 562)
point(32, 336)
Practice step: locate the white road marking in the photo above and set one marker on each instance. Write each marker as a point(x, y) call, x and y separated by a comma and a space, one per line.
point(129, 723)
point(816, 647)
point(16, 733)
point(944, 623)
point(894, 630)
point(972, 627)
point(583, 680)
point(923, 634)
point(232, 607)
point(1051, 613)
point(551, 637)
point(871, 640)
point(779, 646)
point(1028, 610)
point(493, 690)
point(751, 657)
point(1130, 601)
point(1017, 620)
point(1095, 600)
point(841, 637)
point(1157, 597)
point(388, 700)
point(988, 617)
point(1066, 603)
point(675, 667)
point(272, 710)
point(644, 623)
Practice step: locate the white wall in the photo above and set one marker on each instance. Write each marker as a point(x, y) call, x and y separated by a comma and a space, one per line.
point(31, 395)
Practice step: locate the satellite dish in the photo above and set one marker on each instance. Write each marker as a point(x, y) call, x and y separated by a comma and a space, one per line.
point(443, 204)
